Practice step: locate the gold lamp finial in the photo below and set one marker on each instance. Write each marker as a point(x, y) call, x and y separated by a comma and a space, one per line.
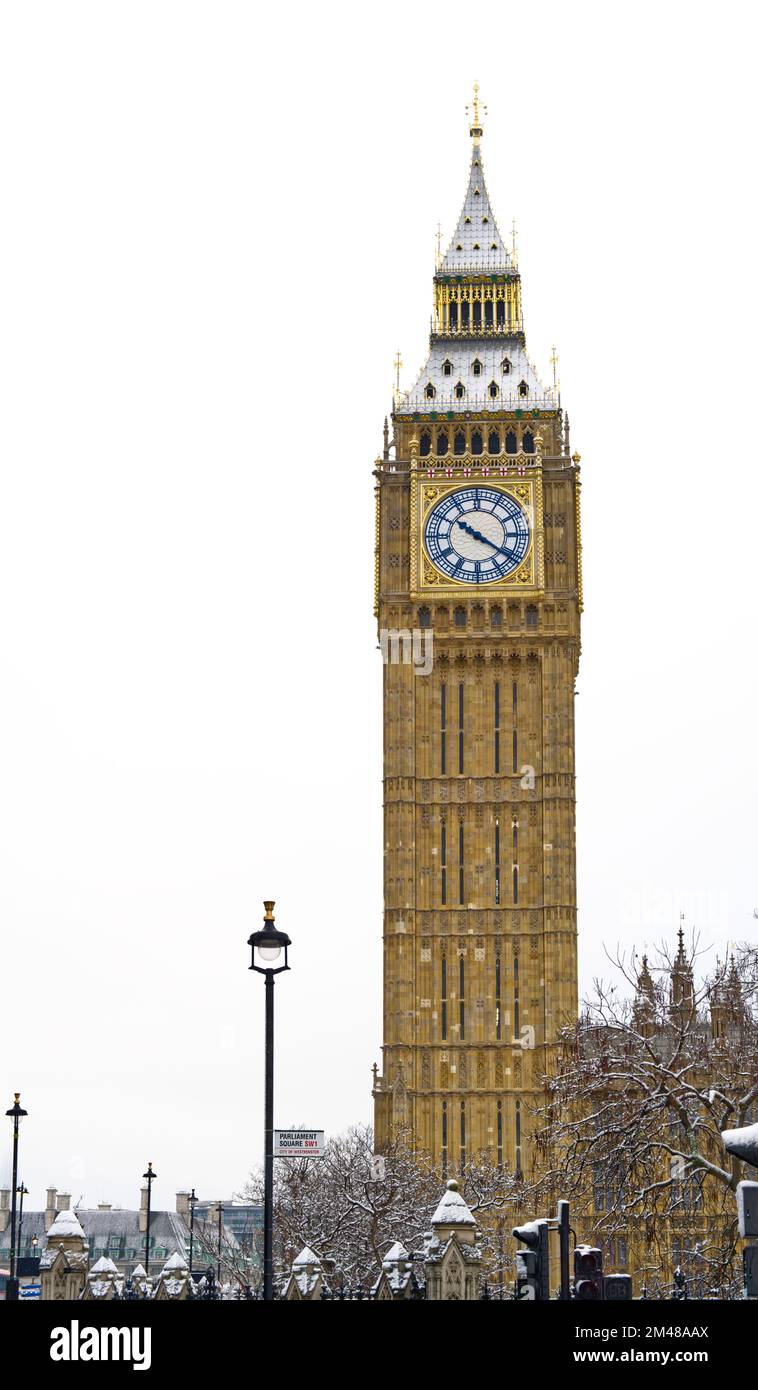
point(269, 911)
point(476, 128)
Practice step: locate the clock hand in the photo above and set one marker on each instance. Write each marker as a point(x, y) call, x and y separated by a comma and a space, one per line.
point(478, 535)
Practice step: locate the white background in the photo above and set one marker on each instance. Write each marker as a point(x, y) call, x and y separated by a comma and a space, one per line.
point(218, 226)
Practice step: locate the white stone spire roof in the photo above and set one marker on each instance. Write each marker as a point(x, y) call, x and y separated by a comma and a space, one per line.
point(476, 245)
point(475, 364)
point(452, 1210)
point(66, 1224)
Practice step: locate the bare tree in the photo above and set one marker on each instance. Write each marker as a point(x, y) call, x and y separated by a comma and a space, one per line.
point(351, 1206)
point(661, 1060)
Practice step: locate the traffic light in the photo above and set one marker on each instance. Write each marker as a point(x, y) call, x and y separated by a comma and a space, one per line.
point(588, 1272)
point(750, 1270)
point(747, 1208)
point(533, 1264)
point(616, 1287)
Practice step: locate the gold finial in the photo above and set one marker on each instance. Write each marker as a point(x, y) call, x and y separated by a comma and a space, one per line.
point(397, 364)
point(269, 911)
point(439, 243)
point(554, 365)
point(513, 241)
point(475, 128)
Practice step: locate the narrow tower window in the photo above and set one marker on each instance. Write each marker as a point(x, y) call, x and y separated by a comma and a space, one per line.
point(528, 443)
point(519, 1173)
point(461, 869)
point(496, 615)
point(447, 367)
point(443, 1001)
point(430, 391)
point(460, 391)
point(443, 728)
point(443, 867)
point(476, 367)
point(493, 442)
point(424, 617)
point(531, 615)
point(442, 444)
point(515, 726)
point(497, 871)
point(463, 1135)
point(459, 443)
point(462, 997)
point(444, 1137)
point(477, 443)
point(506, 366)
point(460, 725)
point(523, 389)
point(500, 1134)
point(511, 443)
point(459, 617)
point(488, 313)
point(497, 727)
point(493, 389)
point(425, 447)
point(453, 314)
point(498, 1002)
point(516, 1020)
point(477, 310)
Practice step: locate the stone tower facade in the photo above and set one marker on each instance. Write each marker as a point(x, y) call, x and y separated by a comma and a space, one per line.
point(478, 601)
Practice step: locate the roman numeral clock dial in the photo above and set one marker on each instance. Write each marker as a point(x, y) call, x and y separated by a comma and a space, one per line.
point(477, 535)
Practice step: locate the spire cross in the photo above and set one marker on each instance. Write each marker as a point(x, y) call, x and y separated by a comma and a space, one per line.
point(439, 242)
point(513, 239)
point(398, 365)
point(554, 364)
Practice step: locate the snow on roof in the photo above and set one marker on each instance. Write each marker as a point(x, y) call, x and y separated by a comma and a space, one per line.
point(396, 1253)
point(176, 1261)
point(306, 1257)
point(65, 1224)
point(139, 1271)
point(452, 1210)
point(104, 1266)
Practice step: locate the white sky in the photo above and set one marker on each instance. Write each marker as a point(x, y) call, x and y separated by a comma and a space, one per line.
point(218, 227)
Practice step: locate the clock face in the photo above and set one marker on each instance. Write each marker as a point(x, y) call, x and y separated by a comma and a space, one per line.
point(476, 535)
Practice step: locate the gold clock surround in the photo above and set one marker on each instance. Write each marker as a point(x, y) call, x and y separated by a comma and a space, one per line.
point(520, 479)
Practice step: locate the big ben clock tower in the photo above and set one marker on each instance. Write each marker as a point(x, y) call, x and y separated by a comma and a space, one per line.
point(478, 599)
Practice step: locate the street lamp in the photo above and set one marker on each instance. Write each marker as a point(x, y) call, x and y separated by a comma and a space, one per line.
point(16, 1114)
point(267, 947)
point(150, 1176)
point(22, 1193)
point(192, 1205)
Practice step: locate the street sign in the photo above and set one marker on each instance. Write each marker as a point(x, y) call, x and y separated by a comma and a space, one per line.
point(298, 1143)
point(30, 1291)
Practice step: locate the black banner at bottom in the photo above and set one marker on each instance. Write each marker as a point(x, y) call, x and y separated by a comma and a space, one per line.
point(65, 1339)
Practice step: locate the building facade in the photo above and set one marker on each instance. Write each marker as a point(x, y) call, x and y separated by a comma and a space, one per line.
point(478, 601)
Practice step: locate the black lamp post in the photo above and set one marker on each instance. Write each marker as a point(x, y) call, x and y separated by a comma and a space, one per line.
point(150, 1176)
point(22, 1193)
point(192, 1205)
point(220, 1215)
point(16, 1114)
point(267, 947)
